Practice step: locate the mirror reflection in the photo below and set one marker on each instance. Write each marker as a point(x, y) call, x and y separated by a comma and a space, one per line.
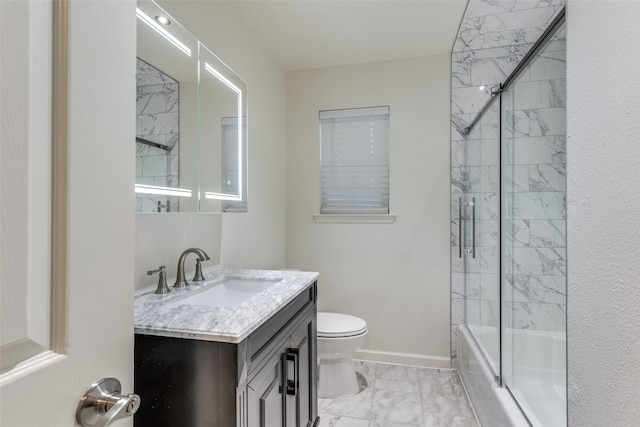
point(191, 121)
point(157, 137)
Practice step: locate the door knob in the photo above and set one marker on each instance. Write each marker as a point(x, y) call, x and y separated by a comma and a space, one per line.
point(102, 404)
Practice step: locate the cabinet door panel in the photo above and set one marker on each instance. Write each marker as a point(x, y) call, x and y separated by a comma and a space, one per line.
point(304, 410)
point(303, 339)
point(265, 396)
point(271, 405)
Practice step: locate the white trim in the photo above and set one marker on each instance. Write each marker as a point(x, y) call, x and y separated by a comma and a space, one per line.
point(412, 359)
point(355, 218)
point(29, 366)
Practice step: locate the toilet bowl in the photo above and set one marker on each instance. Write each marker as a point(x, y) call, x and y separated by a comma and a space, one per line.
point(339, 335)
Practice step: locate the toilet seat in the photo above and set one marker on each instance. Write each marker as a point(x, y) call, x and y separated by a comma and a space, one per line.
point(337, 325)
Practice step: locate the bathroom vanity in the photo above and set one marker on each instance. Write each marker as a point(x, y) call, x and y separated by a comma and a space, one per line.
point(237, 350)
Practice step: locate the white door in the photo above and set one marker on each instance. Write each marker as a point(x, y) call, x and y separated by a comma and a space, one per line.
point(55, 344)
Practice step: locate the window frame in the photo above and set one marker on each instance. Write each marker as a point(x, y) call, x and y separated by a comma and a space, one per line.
point(370, 206)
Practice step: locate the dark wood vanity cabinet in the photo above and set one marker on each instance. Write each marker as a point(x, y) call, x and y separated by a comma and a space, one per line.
point(267, 380)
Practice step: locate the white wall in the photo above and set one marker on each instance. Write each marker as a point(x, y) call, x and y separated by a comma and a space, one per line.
point(395, 276)
point(255, 239)
point(159, 241)
point(603, 94)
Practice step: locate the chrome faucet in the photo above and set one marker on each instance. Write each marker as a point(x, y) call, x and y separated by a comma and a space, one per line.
point(181, 280)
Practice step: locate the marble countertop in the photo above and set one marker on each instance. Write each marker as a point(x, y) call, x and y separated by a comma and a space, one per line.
point(155, 315)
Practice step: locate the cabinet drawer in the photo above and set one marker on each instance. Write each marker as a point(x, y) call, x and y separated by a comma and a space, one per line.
point(263, 336)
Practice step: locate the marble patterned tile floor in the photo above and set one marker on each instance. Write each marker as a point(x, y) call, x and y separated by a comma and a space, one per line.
point(401, 396)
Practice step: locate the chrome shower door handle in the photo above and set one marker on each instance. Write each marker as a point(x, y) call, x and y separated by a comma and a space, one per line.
point(102, 404)
point(460, 227)
point(473, 226)
point(472, 203)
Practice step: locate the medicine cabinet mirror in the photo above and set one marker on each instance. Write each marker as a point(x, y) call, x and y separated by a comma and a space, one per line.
point(191, 130)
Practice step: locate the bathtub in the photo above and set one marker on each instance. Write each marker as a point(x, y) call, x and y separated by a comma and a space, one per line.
point(539, 385)
point(537, 377)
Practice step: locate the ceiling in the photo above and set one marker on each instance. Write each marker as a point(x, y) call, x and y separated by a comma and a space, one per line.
point(304, 34)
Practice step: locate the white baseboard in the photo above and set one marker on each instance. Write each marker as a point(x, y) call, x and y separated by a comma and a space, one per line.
point(412, 359)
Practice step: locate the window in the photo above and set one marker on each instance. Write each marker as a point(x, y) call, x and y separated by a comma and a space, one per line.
point(354, 158)
point(230, 163)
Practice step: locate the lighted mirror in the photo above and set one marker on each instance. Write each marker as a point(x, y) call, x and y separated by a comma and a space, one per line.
point(222, 133)
point(191, 121)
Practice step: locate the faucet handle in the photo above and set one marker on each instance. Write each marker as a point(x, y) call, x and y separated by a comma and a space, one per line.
point(198, 277)
point(162, 280)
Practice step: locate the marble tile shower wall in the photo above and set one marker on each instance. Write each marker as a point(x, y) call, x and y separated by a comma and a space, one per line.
point(157, 112)
point(535, 175)
point(492, 39)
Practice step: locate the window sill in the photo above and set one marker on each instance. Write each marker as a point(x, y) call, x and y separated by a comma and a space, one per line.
point(355, 218)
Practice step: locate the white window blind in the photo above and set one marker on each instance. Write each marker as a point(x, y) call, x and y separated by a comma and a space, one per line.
point(355, 161)
point(230, 163)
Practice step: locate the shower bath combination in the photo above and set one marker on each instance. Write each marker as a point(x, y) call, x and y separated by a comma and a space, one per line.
point(509, 226)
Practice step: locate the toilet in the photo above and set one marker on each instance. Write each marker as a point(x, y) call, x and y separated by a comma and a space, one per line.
point(339, 335)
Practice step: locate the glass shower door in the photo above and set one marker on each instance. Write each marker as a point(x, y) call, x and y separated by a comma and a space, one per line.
point(480, 210)
point(533, 272)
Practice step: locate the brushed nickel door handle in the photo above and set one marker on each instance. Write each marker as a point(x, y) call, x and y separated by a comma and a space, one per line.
point(102, 404)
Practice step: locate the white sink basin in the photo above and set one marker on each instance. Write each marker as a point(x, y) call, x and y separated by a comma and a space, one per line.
point(230, 292)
